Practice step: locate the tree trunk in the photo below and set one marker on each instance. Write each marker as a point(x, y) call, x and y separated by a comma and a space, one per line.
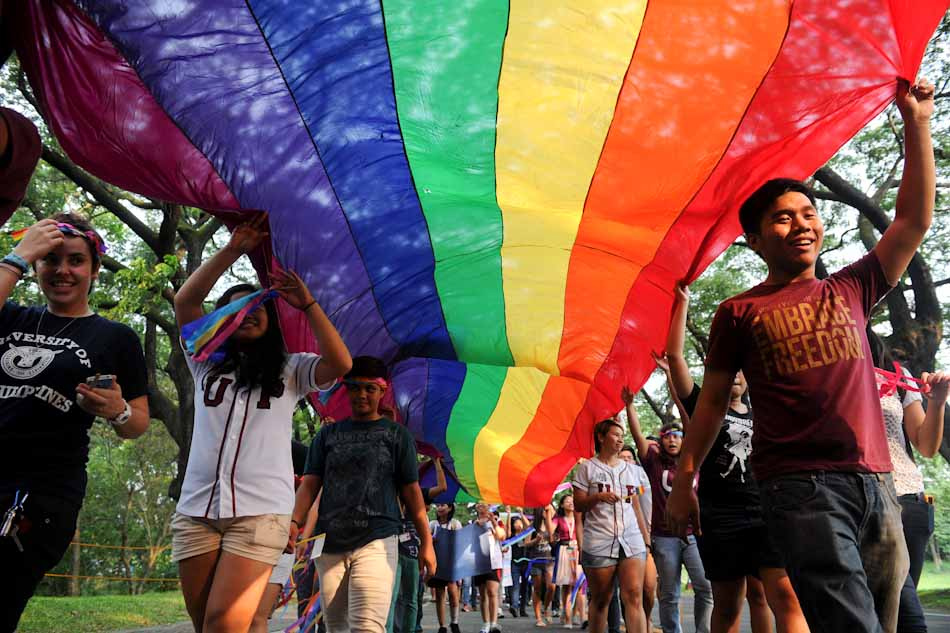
point(124, 530)
point(916, 333)
point(935, 553)
point(76, 568)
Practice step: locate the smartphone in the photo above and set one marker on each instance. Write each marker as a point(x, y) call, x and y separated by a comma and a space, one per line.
point(101, 381)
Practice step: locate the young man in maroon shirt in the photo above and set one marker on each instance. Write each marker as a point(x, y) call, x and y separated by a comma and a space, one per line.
point(819, 454)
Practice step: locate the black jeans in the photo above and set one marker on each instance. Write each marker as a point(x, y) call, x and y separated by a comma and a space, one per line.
point(52, 523)
point(844, 547)
point(918, 518)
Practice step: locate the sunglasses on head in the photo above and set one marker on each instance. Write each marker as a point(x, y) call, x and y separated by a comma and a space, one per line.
point(672, 434)
point(375, 386)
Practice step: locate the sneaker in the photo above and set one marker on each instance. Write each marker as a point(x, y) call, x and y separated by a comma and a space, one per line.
point(513, 612)
point(455, 627)
point(442, 629)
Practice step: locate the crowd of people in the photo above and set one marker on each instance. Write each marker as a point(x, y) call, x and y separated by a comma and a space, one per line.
point(786, 482)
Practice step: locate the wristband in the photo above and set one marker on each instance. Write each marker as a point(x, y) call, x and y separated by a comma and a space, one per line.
point(294, 521)
point(15, 270)
point(307, 307)
point(15, 260)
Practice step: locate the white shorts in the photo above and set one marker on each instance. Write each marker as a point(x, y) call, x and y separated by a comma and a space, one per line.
point(282, 569)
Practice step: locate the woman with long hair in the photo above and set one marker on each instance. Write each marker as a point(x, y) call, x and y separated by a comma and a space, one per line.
point(907, 425)
point(615, 538)
point(63, 366)
point(567, 561)
point(445, 520)
point(538, 546)
point(231, 523)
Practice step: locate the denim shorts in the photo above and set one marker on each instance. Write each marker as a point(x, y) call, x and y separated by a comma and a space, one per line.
point(596, 562)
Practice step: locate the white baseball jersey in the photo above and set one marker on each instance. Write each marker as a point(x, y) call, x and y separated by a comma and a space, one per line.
point(608, 527)
point(240, 462)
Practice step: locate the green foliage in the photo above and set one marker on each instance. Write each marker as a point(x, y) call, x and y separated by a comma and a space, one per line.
point(126, 505)
point(937, 483)
point(138, 288)
point(102, 613)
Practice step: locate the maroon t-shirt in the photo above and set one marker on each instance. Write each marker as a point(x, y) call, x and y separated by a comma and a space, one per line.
point(661, 470)
point(18, 162)
point(804, 352)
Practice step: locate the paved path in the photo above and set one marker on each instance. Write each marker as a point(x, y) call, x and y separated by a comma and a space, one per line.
point(471, 622)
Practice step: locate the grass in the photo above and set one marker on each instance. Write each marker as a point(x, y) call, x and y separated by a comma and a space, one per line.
point(934, 587)
point(936, 599)
point(94, 614)
point(931, 579)
point(97, 614)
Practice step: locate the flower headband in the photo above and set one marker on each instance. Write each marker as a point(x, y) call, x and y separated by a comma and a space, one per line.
point(69, 229)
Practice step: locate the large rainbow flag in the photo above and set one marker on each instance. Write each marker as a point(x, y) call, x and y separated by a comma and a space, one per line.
point(496, 197)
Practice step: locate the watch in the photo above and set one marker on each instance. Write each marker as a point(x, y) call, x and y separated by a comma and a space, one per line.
point(123, 417)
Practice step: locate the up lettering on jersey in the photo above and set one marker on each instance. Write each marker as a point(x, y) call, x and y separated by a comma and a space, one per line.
point(806, 335)
point(217, 386)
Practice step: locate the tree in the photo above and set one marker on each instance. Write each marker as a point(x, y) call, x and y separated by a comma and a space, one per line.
point(155, 245)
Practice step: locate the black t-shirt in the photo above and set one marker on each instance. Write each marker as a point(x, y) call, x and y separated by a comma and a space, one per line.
point(726, 484)
point(44, 434)
point(363, 465)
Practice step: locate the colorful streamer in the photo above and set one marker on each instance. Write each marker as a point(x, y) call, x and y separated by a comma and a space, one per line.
point(897, 378)
point(204, 337)
point(518, 537)
point(311, 615)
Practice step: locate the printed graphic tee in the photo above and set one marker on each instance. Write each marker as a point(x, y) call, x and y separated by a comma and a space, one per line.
point(727, 489)
point(806, 358)
point(363, 465)
point(661, 469)
point(44, 434)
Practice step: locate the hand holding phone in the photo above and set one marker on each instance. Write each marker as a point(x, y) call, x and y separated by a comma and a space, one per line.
point(101, 381)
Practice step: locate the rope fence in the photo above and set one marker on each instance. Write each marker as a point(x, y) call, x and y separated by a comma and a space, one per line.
point(115, 578)
point(133, 547)
point(154, 549)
